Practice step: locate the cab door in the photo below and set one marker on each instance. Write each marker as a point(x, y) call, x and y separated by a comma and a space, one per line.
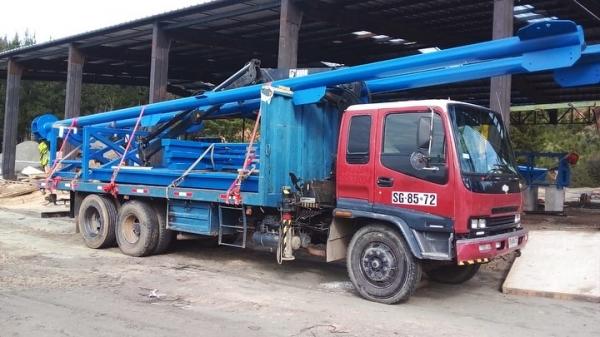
point(355, 159)
point(409, 175)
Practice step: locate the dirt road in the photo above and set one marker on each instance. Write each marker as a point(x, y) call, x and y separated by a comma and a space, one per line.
point(51, 285)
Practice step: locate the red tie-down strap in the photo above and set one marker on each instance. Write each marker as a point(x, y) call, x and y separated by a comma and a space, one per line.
point(233, 194)
point(111, 187)
point(51, 182)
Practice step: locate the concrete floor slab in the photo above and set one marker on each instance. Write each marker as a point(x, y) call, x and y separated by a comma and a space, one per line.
point(558, 264)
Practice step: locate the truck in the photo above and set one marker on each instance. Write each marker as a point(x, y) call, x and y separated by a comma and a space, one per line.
point(397, 189)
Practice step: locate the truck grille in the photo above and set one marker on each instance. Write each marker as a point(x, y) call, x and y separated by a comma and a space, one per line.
point(494, 225)
point(508, 209)
point(501, 221)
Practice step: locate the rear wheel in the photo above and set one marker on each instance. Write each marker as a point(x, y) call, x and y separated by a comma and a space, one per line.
point(381, 266)
point(96, 218)
point(137, 228)
point(453, 274)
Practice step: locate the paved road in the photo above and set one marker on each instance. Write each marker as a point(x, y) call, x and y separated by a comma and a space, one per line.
point(51, 285)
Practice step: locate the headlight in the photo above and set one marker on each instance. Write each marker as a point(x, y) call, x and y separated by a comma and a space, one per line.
point(478, 223)
point(517, 218)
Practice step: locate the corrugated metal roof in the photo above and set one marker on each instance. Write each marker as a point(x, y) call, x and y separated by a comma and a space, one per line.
point(103, 32)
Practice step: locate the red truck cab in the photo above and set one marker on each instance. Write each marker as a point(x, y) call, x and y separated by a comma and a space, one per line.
point(429, 186)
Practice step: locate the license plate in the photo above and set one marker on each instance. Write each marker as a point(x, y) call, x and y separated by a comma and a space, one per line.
point(414, 198)
point(513, 241)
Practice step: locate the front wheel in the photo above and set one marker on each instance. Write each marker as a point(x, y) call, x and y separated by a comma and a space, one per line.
point(381, 266)
point(453, 274)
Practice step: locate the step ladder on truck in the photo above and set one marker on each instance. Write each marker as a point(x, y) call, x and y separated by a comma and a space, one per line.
point(396, 189)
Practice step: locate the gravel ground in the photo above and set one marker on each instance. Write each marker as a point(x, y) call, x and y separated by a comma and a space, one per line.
point(52, 285)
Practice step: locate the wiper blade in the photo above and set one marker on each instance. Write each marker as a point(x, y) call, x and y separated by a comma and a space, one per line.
point(501, 167)
point(498, 169)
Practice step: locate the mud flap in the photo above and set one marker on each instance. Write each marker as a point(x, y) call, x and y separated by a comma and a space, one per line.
point(340, 234)
point(75, 200)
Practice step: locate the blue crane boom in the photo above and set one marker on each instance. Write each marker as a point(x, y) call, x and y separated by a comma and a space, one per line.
point(542, 46)
point(585, 71)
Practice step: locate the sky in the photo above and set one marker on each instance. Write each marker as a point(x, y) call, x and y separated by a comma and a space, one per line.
point(53, 19)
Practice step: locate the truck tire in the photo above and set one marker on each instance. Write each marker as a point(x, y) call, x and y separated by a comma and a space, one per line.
point(453, 274)
point(137, 228)
point(165, 236)
point(381, 266)
point(96, 220)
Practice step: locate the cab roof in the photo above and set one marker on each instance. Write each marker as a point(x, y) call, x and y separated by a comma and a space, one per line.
point(443, 103)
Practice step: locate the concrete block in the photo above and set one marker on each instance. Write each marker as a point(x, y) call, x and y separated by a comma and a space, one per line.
point(558, 264)
point(554, 200)
point(530, 198)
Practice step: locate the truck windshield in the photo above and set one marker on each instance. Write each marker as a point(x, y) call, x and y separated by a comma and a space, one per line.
point(482, 141)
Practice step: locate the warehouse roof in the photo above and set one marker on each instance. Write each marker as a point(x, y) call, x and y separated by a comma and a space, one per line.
point(213, 39)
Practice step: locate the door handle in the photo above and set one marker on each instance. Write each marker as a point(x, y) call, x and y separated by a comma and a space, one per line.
point(385, 181)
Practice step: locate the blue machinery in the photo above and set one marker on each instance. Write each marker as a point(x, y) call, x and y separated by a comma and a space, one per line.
point(561, 174)
point(299, 121)
point(552, 180)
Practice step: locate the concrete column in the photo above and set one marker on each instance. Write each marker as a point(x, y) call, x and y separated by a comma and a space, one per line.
point(74, 80)
point(290, 21)
point(11, 118)
point(500, 86)
point(159, 68)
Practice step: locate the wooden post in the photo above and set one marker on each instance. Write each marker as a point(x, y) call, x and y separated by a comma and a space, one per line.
point(159, 67)
point(73, 92)
point(74, 80)
point(500, 86)
point(290, 20)
point(11, 118)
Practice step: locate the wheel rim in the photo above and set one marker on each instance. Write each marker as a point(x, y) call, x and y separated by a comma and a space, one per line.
point(380, 265)
point(131, 229)
point(93, 222)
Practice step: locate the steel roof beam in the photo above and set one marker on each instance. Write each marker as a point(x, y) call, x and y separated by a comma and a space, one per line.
point(119, 70)
point(210, 39)
point(118, 53)
point(356, 20)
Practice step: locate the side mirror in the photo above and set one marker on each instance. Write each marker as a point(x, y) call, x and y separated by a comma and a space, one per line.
point(423, 132)
point(425, 138)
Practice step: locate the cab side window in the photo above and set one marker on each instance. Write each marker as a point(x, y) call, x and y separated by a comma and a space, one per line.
point(401, 152)
point(359, 136)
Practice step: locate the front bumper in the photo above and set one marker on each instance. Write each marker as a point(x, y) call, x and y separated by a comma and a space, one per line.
point(470, 251)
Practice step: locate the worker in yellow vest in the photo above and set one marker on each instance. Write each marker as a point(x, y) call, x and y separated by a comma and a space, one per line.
point(44, 150)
